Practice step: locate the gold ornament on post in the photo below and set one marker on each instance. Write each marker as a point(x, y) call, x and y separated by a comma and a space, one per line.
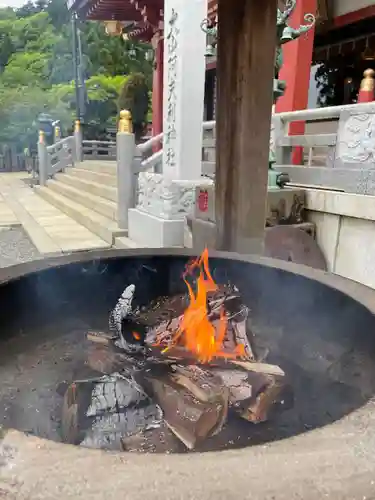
point(41, 137)
point(77, 126)
point(57, 132)
point(367, 83)
point(125, 122)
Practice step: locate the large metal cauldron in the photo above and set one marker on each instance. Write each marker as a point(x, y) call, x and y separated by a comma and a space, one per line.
point(320, 328)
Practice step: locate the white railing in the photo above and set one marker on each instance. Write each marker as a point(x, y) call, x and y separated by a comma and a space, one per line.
point(55, 158)
point(99, 150)
point(60, 155)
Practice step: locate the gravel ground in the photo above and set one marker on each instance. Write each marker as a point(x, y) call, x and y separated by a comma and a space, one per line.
point(16, 246)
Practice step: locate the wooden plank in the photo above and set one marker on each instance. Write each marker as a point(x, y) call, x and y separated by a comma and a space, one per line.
point(246, 52)
point(308, 141)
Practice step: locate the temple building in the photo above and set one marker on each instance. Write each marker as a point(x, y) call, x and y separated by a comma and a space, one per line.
point(323, 67)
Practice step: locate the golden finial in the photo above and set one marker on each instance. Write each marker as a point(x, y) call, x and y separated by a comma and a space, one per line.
point(77, 126)
point(125, 122)
point(41, 137)
point(57, 132)
point(368, 83)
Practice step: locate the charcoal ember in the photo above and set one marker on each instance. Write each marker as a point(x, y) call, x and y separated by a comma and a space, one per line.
point(99, 413)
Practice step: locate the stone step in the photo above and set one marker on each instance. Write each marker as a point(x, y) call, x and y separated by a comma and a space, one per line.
point(125, 242)
point(107, 192)
point(105, 207)
point(102, 167)
point(98, 224)
point(93, 176)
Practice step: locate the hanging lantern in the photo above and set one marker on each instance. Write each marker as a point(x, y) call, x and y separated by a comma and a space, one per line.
point(113, 28)
point(368, 54)
point(210, 28)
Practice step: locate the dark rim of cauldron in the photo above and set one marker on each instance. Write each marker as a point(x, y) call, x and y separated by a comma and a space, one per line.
point(358, 292)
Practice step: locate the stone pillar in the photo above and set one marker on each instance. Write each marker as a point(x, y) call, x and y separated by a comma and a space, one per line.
point(184, 76)
point(78, 141)
point(42, 159)
point(296, 71)
point(125, 142)
point(164, 200)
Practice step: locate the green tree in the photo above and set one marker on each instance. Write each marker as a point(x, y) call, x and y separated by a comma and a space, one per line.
point(37, 71)
point(134, 96)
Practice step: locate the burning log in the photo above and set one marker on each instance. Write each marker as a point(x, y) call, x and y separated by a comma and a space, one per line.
point(194, 403)
point(171, 370)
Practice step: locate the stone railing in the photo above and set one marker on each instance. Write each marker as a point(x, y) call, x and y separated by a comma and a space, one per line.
point(133, 159)
point(55, 158)
point(346, 153)
point(350, 152)
point(99, 150)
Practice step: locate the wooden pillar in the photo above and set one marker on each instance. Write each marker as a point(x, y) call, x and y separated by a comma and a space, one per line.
point(296, 71)
point(246, 53)
point(157, 91)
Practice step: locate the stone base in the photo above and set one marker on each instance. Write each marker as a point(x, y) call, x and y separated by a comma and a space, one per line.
point(154, 232)
point(203, 234)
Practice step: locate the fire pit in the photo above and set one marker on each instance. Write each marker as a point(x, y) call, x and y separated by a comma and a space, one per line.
point(315, 328)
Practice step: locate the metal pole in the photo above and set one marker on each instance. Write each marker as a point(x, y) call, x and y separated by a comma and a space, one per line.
point(75, 65)
point(81, 81)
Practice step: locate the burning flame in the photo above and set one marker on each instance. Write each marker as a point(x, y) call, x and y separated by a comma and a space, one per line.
point(196, 332)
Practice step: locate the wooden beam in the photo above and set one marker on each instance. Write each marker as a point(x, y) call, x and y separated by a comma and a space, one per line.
point(245, 68)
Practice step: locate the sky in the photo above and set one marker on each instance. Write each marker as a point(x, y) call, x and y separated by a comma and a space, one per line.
point(11, 3)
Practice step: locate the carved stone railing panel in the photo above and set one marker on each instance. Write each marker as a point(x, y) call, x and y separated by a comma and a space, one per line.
point(60, 155)
point(356, 139)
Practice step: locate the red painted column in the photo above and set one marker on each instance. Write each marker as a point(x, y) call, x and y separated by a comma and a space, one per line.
point(157, 92)
point(296, 71)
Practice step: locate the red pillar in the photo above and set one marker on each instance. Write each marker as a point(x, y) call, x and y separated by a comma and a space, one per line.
point(157, 92)
point(296, 71)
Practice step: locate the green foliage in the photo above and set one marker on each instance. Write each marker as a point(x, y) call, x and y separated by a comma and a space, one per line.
point(134, 96)
point(37, 70)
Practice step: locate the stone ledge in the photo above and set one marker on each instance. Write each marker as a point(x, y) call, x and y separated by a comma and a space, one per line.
point(354, 205)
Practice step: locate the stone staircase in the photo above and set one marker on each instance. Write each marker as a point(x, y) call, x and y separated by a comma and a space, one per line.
point(88, 194)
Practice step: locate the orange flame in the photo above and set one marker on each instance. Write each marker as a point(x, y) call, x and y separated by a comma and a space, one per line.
point(196, 332)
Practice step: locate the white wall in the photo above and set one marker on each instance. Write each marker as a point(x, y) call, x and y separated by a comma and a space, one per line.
point(341, 7)
point(345, 231)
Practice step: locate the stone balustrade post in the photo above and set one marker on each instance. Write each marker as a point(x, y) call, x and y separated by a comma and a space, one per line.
point(42, 159)
point(126, 175)
point(78, 149)
point(366, 91)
